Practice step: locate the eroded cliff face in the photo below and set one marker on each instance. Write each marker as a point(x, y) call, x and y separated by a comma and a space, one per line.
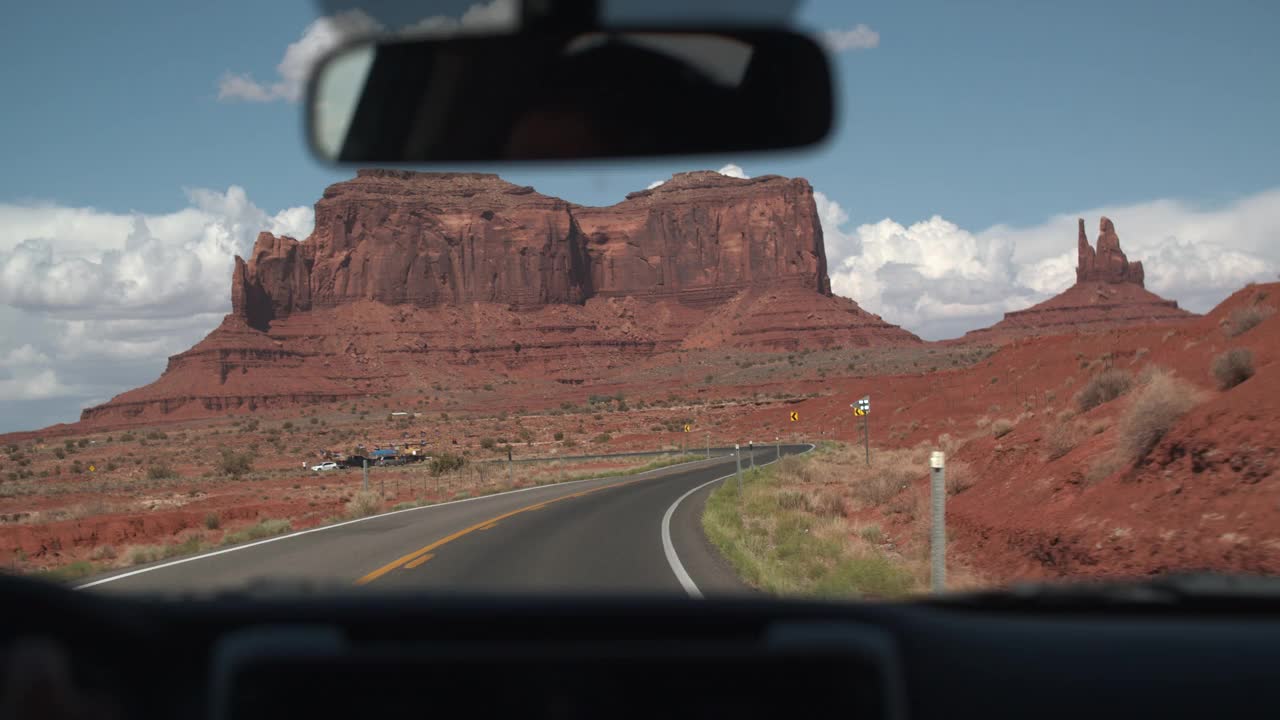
point(410, 277)
point(431, 239)
point(1108, 294)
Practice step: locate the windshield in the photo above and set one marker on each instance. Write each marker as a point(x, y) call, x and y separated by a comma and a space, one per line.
point(1015, 320)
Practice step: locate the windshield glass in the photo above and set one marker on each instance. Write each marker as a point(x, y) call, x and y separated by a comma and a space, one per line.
point(1014, 320)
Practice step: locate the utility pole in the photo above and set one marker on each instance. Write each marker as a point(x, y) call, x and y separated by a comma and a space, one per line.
point(937, 529)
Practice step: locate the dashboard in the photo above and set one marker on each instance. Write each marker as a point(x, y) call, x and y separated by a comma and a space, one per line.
point(393, 655)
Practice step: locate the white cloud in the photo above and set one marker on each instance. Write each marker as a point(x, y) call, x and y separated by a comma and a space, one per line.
point(939, 280)
point(104, 298)
point(37, 386)
point(157, 265)
point(24, 355)
point(654, 184)
point(330, 31)
point(733, 171)
point(858, 37)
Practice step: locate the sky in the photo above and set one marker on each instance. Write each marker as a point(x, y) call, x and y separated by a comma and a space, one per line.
point(146, 144)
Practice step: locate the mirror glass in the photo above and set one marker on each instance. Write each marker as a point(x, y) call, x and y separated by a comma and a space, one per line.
point(587, 95)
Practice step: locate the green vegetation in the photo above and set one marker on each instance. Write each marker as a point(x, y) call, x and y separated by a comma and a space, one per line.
point(264, 529)
point(73, 571)
point(774, 547)
point(446, 462)
point(235, 464)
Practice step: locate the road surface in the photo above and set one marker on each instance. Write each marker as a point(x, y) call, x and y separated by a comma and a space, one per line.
point(638, 534)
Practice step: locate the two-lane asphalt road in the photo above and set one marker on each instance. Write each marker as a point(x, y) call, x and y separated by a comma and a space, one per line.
point(638, 534)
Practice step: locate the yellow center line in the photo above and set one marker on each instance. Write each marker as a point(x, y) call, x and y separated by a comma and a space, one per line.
point(419, 561)
point(490, 526)
point(409, 560)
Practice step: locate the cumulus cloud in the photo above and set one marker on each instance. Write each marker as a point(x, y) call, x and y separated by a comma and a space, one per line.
point(92, 302)
point(330, 31)
point(940, 280)
point(733, 171)
point(858, 37)
point(161, 265)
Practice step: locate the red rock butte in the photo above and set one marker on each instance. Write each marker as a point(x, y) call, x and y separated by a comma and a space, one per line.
point(412, 277)
point(1109, 293)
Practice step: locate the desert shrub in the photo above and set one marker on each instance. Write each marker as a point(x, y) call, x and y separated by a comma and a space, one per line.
point(602, 438)
point(881, 486)
point(1061, 439)
point(1244, 319)
point(1001, 427)
point(212, 522)
point(959, 478)
point(1153, 413)
point(488, 443)
point(446, 462)
point(59, 453)
point(235, 464)
point(1103, 387)
point(1233, 367)
point(363, 504)
point(559, 435)
point(160, 471)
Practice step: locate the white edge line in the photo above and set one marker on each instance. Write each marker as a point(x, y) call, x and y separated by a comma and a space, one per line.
point(669, 548)
point(321, 528)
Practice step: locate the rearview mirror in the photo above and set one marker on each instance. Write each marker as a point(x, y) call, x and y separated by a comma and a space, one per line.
point(598, 94)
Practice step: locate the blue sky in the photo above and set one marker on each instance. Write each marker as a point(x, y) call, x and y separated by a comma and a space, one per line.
point(982, 112)
point(971, 135)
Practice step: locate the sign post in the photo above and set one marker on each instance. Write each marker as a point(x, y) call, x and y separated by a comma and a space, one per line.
point(937, 529)
point(364, 470)
point(862, 409)
point(708, 445)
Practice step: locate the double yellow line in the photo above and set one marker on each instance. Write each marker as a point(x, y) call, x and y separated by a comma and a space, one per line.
point(423, 554)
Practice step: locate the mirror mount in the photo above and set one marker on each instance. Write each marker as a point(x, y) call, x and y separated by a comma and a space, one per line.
point(559, 16)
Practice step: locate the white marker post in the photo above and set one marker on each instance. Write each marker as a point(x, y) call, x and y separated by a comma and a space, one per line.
point(737, 454)
point(938, 529)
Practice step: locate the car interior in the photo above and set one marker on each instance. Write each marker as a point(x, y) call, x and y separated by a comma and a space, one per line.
point(1186, 646)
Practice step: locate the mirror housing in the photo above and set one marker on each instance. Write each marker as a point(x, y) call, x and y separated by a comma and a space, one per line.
point(616, 93)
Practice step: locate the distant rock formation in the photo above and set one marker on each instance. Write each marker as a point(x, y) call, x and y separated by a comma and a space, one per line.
point(410, 276)
point(1108, 263)
point(1109, 293)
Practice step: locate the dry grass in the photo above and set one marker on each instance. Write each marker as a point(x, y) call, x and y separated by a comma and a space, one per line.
point(1244, 319)
point(959, 478)
point(1061, 439)
point(1233, 367)
point(1102, 388)
point(1155, 410)
point(364, 504)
